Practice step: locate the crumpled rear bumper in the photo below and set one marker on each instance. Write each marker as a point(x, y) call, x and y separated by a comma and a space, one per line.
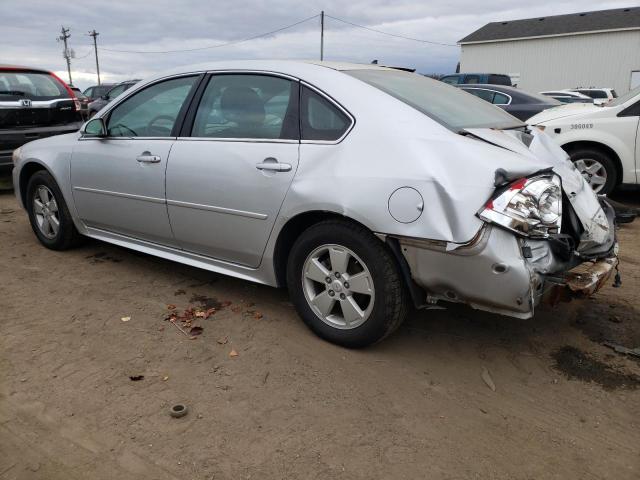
point(492, 273)
point(581, 281)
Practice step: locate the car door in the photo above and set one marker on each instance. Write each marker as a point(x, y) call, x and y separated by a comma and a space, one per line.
point(231, 167)
point(119, 180)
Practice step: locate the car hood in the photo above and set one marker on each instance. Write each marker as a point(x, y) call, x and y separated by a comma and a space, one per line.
point(542, 149)
point(562, 111)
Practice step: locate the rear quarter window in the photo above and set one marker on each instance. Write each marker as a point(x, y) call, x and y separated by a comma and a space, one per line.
point(321, 119)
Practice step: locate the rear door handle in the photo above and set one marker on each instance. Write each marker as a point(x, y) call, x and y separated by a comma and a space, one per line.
point(146, 157)
point(272, 165)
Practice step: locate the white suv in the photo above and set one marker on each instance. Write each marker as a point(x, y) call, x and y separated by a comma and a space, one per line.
point(600, 139)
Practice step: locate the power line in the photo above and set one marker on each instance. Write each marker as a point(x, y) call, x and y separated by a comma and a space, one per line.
point(391, 34)
point(220, 45)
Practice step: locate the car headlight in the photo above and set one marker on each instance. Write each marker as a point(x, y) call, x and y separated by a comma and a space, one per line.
point(15, 156)
point(529, 206)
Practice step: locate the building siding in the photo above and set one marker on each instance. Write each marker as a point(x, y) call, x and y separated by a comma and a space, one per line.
point(598, 60)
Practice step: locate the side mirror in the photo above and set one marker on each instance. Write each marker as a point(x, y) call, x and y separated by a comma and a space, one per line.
point(94, 128)
point(105, 97)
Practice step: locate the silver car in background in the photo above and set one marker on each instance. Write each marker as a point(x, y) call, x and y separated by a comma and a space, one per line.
point(362, 189)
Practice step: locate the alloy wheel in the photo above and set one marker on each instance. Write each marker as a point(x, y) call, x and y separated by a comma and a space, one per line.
point(593, 172)
point(45, 210)
point(338, 286)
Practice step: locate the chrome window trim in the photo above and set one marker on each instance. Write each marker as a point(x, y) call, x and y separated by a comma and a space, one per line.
point(131, 92)
point(337, 105)
point(491, 90)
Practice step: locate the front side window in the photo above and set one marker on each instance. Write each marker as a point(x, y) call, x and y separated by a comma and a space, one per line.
point(321, 119)
point(471, 79)
point(151, 112)
point(248, 106)
point(446, 105)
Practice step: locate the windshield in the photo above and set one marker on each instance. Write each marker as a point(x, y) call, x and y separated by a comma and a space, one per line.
point(624, 98)
point(16, 85)
point(445, 104)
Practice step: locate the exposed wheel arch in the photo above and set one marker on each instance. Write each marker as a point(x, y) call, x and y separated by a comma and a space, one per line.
point(291, 231)
point(25, 174)
point(298, 224)
point(572, 146)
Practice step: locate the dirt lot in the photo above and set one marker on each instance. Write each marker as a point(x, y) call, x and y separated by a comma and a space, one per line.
point(290, 405)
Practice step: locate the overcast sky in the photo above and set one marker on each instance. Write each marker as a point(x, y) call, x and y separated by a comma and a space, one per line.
point(28, 31)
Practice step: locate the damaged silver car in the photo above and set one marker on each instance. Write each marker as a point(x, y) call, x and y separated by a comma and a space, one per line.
point(361, 189)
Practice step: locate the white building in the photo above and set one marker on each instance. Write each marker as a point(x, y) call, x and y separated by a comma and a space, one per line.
point(590, 49)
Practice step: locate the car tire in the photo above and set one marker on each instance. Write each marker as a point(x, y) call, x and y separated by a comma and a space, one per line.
point(41, 186)
point(377, 291)
point(589, 158)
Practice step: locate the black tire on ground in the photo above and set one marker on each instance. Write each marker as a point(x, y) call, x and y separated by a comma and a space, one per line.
point(391, 297)
point(604, 159)
point(67, 236)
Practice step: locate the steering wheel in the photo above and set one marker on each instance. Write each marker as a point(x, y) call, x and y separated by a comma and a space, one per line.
point(163, 130)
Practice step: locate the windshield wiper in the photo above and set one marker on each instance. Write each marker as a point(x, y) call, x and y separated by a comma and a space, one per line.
point(12, 92)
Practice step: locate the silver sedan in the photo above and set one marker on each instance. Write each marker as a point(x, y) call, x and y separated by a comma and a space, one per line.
point(364, 190)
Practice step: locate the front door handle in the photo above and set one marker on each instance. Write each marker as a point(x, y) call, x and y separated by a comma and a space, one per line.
point(146, 157)
point(272, 165)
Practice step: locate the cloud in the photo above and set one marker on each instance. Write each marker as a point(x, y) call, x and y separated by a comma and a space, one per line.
point(28, 31)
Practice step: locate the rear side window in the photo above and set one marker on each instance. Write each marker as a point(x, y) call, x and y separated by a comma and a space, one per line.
point(500, 99)
point(16, 85)
point(486, 95)
point(471, 79)
point(593, 93)
point(500, 80)
point(248, 106)
point(321, 119)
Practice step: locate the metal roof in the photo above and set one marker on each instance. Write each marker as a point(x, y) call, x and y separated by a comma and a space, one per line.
point(582, 22)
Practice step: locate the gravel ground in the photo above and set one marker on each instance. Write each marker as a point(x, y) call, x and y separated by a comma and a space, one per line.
point(288, 405)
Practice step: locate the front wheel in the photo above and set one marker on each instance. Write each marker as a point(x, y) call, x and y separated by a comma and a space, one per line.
point(345, 284)
point(48, 213)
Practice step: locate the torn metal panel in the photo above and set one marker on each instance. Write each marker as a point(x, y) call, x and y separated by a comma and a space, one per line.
point(586, 278)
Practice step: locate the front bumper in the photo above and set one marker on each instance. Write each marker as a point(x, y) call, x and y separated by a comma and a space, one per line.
point(493, 273)
point(14, 138)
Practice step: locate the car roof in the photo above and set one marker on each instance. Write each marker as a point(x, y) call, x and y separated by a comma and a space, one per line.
point(515, 93)
point(291, 67)
point(23, 68)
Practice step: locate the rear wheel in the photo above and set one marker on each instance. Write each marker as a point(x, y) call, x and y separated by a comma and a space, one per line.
point(345, 284)
point(48, 213)
point(597, 168)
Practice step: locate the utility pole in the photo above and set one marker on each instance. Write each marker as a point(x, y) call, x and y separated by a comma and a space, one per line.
point(95, 34)
point(322, 35)
point(67, 54)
